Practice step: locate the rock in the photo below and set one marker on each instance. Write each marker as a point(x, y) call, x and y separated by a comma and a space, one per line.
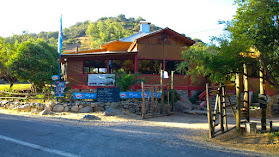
point(25, 108)
point(4, 102)
point(99, 108)
point(66, 109)
point(90, 117)
point(138, 113)
point(16, 103)
point(114, 104)
point(74, 108)
point(58, 108)
point(45, 112)
point(86, 109)
point(50, 104)
point(39, 106)
point(112, 112)
point(35, 111)
point(80, 106)
point(132, 110)
point(65, 104)
point(137, 109)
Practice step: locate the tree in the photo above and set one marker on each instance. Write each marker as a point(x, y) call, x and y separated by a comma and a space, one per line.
point(256, 25)
point(6, 50)
point(217, 63)
point(35, 62)
point(124, 81)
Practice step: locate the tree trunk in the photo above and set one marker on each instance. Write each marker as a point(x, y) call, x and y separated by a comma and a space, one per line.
point(269, 77)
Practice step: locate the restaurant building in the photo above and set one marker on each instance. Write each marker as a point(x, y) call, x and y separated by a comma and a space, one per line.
point(144, 52)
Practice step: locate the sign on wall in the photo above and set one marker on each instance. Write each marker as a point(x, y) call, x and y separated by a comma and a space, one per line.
point(101, 79)
point(108, 94)
point(123, 95)
point(59, 89)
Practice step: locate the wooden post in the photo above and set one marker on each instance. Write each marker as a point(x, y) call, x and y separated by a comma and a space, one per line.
point(152, 100)
point(162, 91)
point(172, 91)
point(156, 100)
point(168, 101)
point(224, 107)
point(246, 93)
point(209, 116)
point(238, 100)
point(143, 101)
point(220, 104)
point(263, 109)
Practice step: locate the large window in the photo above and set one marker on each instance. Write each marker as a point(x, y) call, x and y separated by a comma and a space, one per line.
point(171, 66)
point(95, 67)
point(150, 66)
point(127, 65)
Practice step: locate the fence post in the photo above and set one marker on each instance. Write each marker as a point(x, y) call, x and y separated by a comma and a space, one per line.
point(209, 116)
point(143, 101)
point(246, 93)
point(172, 90)
point(238, 100)
point(220, 104)
point(162, 89)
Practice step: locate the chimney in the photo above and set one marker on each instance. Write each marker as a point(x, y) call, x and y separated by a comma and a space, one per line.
point(145, 26)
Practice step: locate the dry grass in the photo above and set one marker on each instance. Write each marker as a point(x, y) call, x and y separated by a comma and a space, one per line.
point(266, 143)
point(15, 87)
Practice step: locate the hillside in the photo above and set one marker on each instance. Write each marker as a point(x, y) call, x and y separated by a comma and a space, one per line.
point(87, 34)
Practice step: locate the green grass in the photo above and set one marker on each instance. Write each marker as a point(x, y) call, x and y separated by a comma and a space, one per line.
point(6, 87)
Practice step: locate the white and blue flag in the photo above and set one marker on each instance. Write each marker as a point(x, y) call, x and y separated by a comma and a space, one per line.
point(60, 37)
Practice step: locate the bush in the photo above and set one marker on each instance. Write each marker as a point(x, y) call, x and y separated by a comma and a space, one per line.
point(195, 97)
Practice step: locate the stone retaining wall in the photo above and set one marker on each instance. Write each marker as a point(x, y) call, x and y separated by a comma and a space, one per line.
point(131, 106)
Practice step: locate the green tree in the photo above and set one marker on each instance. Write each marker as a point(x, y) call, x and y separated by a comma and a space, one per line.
point(124, 81)
point(6, 50)
point(256, 25)
point(35, 62)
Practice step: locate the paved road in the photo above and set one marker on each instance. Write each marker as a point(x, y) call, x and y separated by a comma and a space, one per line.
point(23, 136)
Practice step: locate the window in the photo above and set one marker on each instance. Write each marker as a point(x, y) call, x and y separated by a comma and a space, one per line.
point(95, 67)
point(150, 66)
point(127, 65)
point(171, 66)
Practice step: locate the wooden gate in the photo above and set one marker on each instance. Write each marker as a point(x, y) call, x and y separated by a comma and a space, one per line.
point(153, 103)
point(217, 117)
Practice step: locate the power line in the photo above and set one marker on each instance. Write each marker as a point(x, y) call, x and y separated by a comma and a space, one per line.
point(205, 31)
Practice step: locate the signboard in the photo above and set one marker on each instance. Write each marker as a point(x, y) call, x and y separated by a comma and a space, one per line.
point(85, 95)
point(101, 79)
point(108, 94)
point(123, 95)
point(59, 89)
point(54, 77)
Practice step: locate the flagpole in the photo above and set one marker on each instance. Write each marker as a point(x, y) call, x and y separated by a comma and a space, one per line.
point(60, 38)
point(60, 42)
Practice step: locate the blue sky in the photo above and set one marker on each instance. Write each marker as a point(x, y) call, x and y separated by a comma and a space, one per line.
point(195, 18)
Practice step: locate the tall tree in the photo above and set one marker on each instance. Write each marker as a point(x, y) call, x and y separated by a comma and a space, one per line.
point(256, 25)
point(6, 50)
point(35, 62)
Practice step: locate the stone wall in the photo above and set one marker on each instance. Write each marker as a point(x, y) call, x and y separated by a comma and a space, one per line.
point(132, 106)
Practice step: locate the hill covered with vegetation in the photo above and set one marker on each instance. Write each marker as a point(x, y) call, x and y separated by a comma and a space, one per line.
point(87, 34)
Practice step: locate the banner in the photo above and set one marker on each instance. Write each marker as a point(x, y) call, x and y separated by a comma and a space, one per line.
point(123, 95)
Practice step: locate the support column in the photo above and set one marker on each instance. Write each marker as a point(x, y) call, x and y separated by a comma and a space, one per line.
point(246, 93)
point(263, 107)
point(238, 100)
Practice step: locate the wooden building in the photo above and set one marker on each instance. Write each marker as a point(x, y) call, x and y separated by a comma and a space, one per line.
point(142, 52)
